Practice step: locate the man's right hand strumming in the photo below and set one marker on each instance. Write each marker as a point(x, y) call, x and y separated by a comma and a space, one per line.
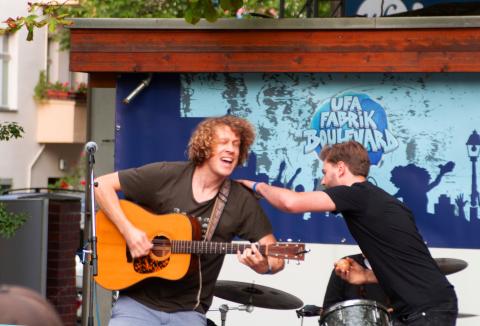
point(137, 242)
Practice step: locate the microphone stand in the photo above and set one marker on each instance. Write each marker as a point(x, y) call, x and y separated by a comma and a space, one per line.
point(93, 233)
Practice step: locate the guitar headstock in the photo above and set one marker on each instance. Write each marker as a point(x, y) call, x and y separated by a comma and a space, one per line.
point(287, 250)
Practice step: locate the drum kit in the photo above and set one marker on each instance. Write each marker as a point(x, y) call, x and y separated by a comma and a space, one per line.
point(346, 313)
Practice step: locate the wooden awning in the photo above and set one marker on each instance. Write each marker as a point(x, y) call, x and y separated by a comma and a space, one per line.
point(387, 44)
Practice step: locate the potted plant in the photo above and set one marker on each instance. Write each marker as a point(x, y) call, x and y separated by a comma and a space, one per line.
point(45, 90)
point(58, 90)
point(80, 93)
point(61, 111)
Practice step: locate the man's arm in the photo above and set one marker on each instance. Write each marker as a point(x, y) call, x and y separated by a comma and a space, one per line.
point(355, 273)
point(291, 201)
point(106, 197)
point(258, 262)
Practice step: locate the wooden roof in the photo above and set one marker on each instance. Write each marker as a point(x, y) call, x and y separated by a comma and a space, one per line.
point(387, 44)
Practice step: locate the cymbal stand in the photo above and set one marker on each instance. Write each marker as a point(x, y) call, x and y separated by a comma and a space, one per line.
point(225, 308)
point(308, 311)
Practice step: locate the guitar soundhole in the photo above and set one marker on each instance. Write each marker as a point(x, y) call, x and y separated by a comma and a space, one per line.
point(157, 260)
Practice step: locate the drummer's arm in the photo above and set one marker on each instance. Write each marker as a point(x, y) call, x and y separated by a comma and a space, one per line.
point(355, 274)
point(258, 262)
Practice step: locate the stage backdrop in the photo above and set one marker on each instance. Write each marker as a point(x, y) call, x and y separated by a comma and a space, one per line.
point(415, 126)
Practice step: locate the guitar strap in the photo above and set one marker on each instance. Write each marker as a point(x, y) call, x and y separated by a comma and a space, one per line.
point(218, 207)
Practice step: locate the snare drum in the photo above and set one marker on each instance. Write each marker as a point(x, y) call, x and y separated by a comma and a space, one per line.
point(355, 313)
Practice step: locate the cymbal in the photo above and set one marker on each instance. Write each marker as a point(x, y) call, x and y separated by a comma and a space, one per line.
point(256, 295)
point(450, 265)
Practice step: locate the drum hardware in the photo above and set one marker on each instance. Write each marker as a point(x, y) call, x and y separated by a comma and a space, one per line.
point(225, 308)
point(251, 294)
point(465, 315)
point(450, 265)
point(308, 311)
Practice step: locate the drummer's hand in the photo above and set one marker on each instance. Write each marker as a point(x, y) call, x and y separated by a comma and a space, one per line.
point(254, 259)
point(137, 242)
point(351, 271)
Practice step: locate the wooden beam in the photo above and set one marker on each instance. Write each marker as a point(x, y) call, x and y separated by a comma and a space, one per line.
point(366, 50)
point(102, 80)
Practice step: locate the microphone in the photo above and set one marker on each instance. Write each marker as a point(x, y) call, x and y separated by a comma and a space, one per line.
point(91, 147)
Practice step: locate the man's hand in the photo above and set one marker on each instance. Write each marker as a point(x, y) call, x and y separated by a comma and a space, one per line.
point(254, 259)
point(352, 272)
point(246, 183)
point(137, 242)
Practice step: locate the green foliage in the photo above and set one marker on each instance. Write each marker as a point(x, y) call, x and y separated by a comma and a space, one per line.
point(50, 15)
point(9, 130)
point(55, 14)
point(40, 90)
point(10, 222)
point(43, 87)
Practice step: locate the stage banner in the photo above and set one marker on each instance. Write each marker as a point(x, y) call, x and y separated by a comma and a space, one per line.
point(421, 131)
point(378, 8)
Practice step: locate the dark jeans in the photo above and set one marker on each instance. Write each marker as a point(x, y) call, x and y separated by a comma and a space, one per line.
point(429, 317)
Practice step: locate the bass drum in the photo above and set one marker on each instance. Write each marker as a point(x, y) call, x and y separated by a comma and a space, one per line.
point(356, 313)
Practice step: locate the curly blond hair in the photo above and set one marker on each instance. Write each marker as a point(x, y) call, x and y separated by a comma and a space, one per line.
point(201, 143)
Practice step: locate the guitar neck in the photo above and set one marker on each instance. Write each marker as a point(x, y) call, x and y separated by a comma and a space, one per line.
point(208, 247)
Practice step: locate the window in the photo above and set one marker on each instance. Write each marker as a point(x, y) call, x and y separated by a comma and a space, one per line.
point(4, 59)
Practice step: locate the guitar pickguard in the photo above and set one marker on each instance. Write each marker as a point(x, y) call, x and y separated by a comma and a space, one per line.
point(146, 265)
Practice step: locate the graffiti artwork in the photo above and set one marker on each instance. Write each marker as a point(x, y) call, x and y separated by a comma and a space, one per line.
point(420, 131)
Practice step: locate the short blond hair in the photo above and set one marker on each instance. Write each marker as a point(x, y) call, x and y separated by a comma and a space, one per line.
point(201, 143)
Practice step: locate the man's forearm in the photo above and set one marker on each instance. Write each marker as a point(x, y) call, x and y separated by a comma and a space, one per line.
point(281, 198)
point(107, 200)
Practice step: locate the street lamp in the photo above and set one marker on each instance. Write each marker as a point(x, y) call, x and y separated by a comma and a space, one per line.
point(473, 149)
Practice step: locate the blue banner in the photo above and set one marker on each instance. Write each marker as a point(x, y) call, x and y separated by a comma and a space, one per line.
point(415, 127)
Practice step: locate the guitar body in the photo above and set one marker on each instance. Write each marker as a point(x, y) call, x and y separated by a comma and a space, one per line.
point(117, 270)
point(175, 237)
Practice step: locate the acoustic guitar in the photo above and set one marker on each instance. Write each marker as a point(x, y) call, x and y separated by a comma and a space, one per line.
point(175, 238)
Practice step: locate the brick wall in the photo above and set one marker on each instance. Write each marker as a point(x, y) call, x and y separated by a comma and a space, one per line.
point(63, 241)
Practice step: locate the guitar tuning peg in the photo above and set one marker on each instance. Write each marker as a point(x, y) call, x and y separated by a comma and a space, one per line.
point(176, 210)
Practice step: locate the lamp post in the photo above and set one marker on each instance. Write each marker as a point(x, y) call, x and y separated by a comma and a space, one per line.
point(473, 149)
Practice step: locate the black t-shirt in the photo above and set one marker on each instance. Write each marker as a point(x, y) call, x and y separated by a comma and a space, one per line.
point(385, 231)
point(163, 187)
point(339, 290)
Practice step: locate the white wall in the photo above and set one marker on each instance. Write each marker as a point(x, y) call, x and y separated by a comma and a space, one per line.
point(308, 282)
point(24, 160)
point(27, 60)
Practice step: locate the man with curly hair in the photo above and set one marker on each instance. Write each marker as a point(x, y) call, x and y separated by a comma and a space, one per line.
point(216, 148)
